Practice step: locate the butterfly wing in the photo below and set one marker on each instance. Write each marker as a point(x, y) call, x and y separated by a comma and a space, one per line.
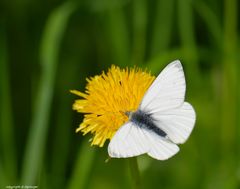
point(177, 123)
point(167, 91)
point(161, 148)
point(164, 100)
point(131, 140)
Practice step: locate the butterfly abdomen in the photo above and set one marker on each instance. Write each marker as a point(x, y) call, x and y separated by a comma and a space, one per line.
point(144, 120)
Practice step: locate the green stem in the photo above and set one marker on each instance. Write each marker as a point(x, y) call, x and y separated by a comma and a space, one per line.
point(135, 174)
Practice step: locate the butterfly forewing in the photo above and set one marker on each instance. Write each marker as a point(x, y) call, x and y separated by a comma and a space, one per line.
point(167, 91)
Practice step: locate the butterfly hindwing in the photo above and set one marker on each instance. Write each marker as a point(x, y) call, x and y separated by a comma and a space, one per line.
point(130, 140)
point(161, 148)
point(177, 123)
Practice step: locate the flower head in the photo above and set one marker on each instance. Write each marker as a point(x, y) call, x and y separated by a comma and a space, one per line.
point(107, 98)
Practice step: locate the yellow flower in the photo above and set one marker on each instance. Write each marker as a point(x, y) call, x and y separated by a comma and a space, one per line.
point(106, 99)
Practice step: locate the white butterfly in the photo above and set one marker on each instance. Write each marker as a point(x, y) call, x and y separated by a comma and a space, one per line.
point(162, 120)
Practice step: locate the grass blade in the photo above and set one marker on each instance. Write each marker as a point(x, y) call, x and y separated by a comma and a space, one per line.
point(3, 180)
point(6, 119)
point(139, 31)
point(162, 26)
point(54, 30)
point(117, 28)
point(187, 35)
point(230, 82)
point(210, 19)
point(83, 167)
point(229, 114)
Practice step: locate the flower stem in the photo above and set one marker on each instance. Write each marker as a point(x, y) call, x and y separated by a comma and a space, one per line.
point(134, 171)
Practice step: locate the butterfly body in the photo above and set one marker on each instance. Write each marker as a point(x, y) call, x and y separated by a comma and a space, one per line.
point(144, 120)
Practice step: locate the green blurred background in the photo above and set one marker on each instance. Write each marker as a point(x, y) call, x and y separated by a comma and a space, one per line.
point(50, 47)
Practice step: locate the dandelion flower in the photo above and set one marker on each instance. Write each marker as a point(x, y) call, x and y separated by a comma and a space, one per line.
point(106, 99)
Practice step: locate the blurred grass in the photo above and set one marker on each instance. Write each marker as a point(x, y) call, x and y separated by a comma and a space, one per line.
point(69, 42)
point(229, 93)
point(118, 36)
point(211, 20)
point(135, 174)
point(162, 27)
point(7, 138)
point(49, 50)
point(139, 31)
point(187, 35)
point(83, 167)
